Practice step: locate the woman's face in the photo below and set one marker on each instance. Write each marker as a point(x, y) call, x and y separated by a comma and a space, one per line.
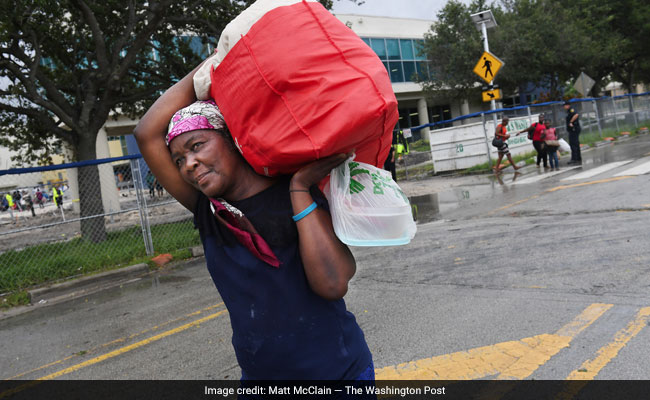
point(207, 161)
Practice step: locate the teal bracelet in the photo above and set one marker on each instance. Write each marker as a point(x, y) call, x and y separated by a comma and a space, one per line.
point(305, 212)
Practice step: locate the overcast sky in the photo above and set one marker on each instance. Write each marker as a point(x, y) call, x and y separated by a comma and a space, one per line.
point(422, 9)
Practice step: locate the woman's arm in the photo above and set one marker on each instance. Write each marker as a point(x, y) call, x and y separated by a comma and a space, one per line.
point(329, 264)
point(150, 135)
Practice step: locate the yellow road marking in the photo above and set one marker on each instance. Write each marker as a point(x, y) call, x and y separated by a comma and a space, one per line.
point(555, 189)
point(618, 178)
point(582, 321)
point(513, 204)
point(114, 353)
point(509, 360)
point(589, 369)
point(119, 340)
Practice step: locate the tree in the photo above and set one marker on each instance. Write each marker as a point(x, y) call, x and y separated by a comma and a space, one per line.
point(70, 64)
point(536, 41)
point(453, 45)
point(544, 42)
point(631, 18)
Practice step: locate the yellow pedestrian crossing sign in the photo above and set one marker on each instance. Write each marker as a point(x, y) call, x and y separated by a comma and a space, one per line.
point(488, 66)
point(494, 94)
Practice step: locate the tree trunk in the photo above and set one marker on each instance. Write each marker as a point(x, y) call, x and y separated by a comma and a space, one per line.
point(90, 194)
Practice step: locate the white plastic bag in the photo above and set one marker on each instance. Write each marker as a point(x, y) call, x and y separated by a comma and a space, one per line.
point(368, 208)
point(564, 146)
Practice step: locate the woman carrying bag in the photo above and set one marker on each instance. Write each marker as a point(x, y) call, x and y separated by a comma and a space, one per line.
point(552, 144)
point(500, 137)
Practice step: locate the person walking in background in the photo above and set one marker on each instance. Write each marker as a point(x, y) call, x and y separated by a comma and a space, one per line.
point(29, 203)
point(159, 188)
point(573, 127)
point(535, 134)
point(501, 133)
point(39, 197)
point(389, 165)
point(16, 197)
point(9, 200)
point(57, 196)
point(151, 184)
point(551, 142)
point(401, 146)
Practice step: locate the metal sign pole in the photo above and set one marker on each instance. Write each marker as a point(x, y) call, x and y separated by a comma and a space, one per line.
point(486, 47)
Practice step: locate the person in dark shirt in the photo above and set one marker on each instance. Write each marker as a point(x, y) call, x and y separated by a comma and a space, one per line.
point(573, 128)
point(535, 134)
point(269, 244)
point(389, 165)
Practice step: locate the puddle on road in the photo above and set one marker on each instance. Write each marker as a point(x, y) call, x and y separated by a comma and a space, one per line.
point(425, 208)
point(435, 206)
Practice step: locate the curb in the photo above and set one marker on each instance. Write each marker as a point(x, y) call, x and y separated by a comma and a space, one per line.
point(74, 288)
point(86, 284)
point(93, 283)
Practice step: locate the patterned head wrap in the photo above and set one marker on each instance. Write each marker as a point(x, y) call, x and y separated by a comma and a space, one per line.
point(198, 115)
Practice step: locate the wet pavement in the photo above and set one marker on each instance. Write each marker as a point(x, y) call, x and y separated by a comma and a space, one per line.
point(541, 280)
point(438, 198)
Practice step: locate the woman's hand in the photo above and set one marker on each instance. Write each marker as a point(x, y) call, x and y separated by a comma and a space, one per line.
point(312, 173)
point(329, 264)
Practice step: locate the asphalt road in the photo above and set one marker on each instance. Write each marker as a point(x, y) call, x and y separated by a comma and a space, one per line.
point(536, 278)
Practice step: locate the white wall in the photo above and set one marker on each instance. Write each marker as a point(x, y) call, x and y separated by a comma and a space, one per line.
point(370, 26)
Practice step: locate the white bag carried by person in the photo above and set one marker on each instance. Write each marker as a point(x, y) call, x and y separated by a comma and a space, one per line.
point(368, 208)
point(564, 146)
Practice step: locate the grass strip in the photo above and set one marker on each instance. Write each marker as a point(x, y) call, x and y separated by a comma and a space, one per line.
point(52, 261)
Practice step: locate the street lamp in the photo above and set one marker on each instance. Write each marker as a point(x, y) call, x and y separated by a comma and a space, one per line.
point(483, 21)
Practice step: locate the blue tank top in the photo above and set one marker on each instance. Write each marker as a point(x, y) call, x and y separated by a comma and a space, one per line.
point(281, 328)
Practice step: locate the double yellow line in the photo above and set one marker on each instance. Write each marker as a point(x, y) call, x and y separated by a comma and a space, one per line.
point(119, 351)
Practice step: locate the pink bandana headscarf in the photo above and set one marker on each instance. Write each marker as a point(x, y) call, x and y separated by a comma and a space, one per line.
point(206, 115)
point(198, 115)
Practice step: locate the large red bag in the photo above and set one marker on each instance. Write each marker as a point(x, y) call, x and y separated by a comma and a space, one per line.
point(298, 86)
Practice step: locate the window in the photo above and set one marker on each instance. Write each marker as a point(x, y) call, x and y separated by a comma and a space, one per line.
point(440, 113)
point(420, 54)
point(396, 72)
point(409, 70)
point(407, 49)
point(408, 118)
point(379, 47)
point(392, 47)
point(401, 57)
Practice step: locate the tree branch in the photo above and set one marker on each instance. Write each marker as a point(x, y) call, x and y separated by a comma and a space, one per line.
point(98, 34)
point(42, 119)
point(158, 11)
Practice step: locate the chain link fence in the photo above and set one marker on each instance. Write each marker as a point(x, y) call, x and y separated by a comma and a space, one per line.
point(468, 144)
point(73, 219)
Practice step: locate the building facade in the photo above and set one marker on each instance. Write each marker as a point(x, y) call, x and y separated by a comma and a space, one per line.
point(398, 42)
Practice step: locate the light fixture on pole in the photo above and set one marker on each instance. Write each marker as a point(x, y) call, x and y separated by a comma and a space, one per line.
point(483, 21)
